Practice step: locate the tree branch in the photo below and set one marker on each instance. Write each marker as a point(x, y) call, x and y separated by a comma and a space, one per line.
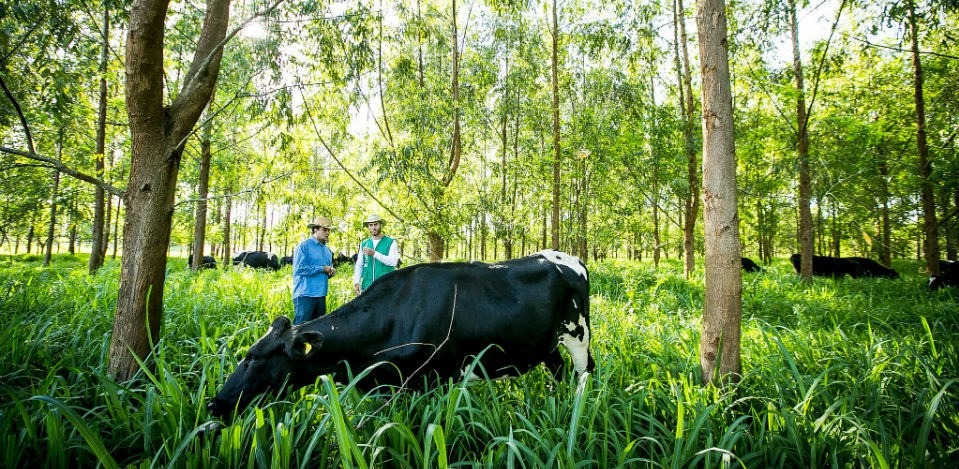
point(23, 119)
point(58, 165)
point(349, 173)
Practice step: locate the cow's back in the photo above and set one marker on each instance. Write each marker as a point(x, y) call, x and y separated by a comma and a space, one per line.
point(512, 313)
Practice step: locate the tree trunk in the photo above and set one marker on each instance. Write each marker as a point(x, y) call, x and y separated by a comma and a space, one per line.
point(930, 225)
point(51, 226)
point(203, 186)
point(437, 246)
point(105, 239)
point(228, 207)
point(158, 133)
point(805, 176)
point(554, 225)
point(691, 202)
point(719, 343)
point(99, 212)
point(116, 229)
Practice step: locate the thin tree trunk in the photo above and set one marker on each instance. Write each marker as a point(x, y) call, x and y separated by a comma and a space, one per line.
point(691, 201)
point(719, 343)
point(556, 150)
point(437, 246)
point(116, 229)
point(51, 226)
point(228, 207)
point(107, 213)
point(930, 225)
point(203, 186)
point(805, 174)
point(99, 203)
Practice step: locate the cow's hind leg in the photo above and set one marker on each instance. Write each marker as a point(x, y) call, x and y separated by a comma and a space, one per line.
point(576, 340)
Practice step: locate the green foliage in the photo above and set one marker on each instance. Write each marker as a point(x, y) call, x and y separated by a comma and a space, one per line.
point(852, 372)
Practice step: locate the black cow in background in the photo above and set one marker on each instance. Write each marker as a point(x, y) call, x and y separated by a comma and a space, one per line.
point(750, 266)
point(855, 267)
point(865, 267)
point(208, 262)
point(948, 276)
point(257, 260)
point(339, 259)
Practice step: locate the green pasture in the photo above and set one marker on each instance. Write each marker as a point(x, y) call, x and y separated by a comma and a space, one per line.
point(837, 373)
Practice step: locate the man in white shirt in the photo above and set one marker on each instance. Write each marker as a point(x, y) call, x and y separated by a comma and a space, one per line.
point(377, 256)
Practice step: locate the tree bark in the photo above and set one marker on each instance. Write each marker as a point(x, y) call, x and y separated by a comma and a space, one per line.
point(802, 145)
point(228, 207)
point(158, 133)
point(554, 230)
point(436, 245)
point(691, 201)
point(97, 250)
point(719, 343)
point(52, 225)
point(930, 225)
point(203, 189)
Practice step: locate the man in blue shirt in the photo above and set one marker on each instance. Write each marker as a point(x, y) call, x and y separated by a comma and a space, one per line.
point(312, 269)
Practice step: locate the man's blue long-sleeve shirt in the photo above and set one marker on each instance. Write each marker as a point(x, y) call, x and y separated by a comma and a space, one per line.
point(309, 258)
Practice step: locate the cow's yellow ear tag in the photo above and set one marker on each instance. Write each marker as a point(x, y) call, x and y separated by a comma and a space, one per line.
point(307, 347)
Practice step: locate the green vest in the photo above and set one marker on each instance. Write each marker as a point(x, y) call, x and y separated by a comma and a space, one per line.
point(372, 268)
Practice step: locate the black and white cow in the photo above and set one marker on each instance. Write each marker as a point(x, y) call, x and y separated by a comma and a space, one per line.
point(855, 267)
point(286, 260)
point(948, 276)
point(257, 260)
point(431, 320)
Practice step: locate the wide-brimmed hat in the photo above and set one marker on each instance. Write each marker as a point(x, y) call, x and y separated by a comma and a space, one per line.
point(321, 222)
point(373, 218)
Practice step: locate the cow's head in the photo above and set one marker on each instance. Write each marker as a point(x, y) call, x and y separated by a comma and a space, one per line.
point(266, 365)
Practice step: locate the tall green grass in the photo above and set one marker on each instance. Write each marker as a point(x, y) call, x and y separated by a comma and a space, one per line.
point(836, 373)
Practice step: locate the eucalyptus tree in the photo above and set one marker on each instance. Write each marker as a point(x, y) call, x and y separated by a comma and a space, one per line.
point(422, 138)
point(515, 50)
point(861, 114)
point(158, 131)
point(687, 105)
point(773, 16)
point(920, 18)
point(719, 353)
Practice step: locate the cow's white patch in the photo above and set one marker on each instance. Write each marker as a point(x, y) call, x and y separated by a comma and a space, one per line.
point(498, 266)
point(566, 260)
point(578, 348)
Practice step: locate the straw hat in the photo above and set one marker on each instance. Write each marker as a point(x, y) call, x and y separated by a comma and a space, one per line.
point(373, 218)
point(321, 222)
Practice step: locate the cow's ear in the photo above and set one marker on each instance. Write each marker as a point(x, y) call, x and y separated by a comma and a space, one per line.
point(305, 344)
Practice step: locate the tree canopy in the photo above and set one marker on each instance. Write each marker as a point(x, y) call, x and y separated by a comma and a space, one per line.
point(342, 109)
